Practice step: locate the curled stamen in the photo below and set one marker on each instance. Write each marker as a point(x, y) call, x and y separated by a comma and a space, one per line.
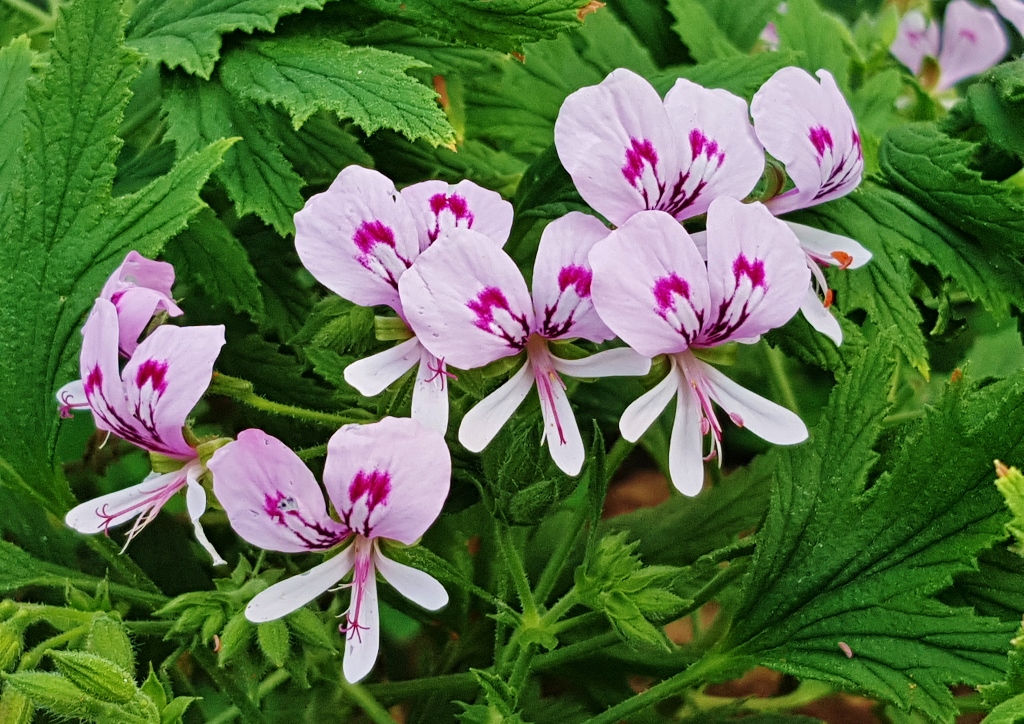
point(440, 372)
point(844, 259)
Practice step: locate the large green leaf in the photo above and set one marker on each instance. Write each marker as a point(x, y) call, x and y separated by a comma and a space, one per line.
point(255, 173)
point(188, 34)
point(65, 232)
point(822, 38)
point(368, 85)
point(840, 560)
point(15, 68)
point(500, 24)
point(936, 171)
point(720, 28)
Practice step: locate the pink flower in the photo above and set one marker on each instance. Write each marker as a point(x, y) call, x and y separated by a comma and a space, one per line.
point(138, 289)
point(973, 40)
point(361, 235)
point(387, 480)
point(628, 151)
point(652, 288)
point(809, 127)
point(1013, 11)
point(146, 404)
point(468, 303)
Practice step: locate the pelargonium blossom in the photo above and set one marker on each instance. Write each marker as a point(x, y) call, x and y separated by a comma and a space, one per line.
point(386, 481)
point(972, 41)
point(629, 151)
point(147, 404)
point(139, 289)
point(1013, 11)
point(468, 303)
point(652, 288)
point(809, 127)
point(361, 235)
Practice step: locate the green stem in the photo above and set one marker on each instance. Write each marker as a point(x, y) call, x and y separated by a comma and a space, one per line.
point(576, 651)
point(583, 619)
point(247, 709)
point(276, 678)
point(617, 455)
point(560, 608)
point(521, 668)
point(556, 563)
point(312, 453)
point(777, 365)
point(692, 676)
point(365, 701)
point(27, 8)
point(455, 684)
point(148, 628)
point(241, 390)
point(806, 693)
point(141, 588)
point(517, 572)
point(31, 660)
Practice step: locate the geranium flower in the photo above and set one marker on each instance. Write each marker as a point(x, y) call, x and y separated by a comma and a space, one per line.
point(147, 404)
point(138, 289)
point(468, 303)
point(361, 235)
point(1013, 11)
point(628, 151)
point(809, 127)
point(973, 40)
point(652, 288)
point(387, 480)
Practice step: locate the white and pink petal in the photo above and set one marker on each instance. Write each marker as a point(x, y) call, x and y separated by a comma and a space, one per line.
point(372, 375)
point(973, 40)
point(271, 498)
point(485, 420)
point(293, 593)
point(917, 38)
point(439, 207)
point(421, 588)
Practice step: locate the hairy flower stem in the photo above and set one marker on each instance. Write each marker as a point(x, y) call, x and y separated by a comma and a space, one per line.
point(242, 391)
point(365, 701)
point(777, 365)
point(806, 693)
point(274, 680)
point(31, 660)
point(697, 673)
point(248, 709)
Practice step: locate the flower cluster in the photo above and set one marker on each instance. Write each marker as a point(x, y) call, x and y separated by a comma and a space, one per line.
point(433, 253)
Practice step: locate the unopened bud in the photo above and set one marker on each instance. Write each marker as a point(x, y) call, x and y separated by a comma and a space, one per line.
point(95, 675)
point(10, 648)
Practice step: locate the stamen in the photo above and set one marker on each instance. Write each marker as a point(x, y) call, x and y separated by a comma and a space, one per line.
point(843, 258)
point(440, 372)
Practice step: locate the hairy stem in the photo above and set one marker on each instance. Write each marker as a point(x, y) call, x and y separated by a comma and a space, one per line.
point(365, 701)
point(242, 391)
point(777, 365)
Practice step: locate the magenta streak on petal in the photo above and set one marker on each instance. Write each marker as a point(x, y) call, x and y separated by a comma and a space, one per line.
point(546, 377)
point(457, 206)
point(574, 286)
point(667, 291)
point(154, 372)
point(840, 170)
point(821, 139)
point(706, 159)
point(969, 35)
point(487, 302)
point(378, 253)
point(103, 409)
point(148, 508)
point(362, 571)
point(283, 510)
point(709, 421)
point(749, 277)
point(368, 491)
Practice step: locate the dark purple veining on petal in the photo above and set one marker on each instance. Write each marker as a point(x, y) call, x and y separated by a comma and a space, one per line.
point(155, 373)
point(573, 288)
point(837, 173)
point(667, 292)
point(640, 155)
point(284, 511)
point(751, 286)
point(969, 35)
point(378, 251)
point(368, 492)
point(458, 208)
point(493, 315)
point(706, 158)
point(93, 380)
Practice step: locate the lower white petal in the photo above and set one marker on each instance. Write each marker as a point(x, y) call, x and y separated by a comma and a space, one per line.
point(195, 501)
point(619, 362)
point(561, 432)
point(483, 422)
point(112, 509)
point(820, 318)
point(372, 375)
point(419, 587)
point(295, 592)
point(822, 244)
point(645, 409)
point(71, 396)
point(430, 395)
point(363, 644)
point(685, 452)
point(762, 417)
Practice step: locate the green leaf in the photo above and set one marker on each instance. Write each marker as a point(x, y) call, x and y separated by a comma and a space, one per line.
point(697, 28)
point(822, 38)
point(15, 69)
point(274, 641)
point(305, 75)
point(320, 149)
point(742, 75)
point(255, 173)
point(1011, 486)
point(500, 24)
point(839, 562)
point(66, 233)
point(995, 103)
point(187, 34)
point(516, 107)
point(994, 589)
point(936, 171)
point(209, 253)
point(1010, 711)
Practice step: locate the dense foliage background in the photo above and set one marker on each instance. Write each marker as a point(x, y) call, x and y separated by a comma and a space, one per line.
point(194, 131)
